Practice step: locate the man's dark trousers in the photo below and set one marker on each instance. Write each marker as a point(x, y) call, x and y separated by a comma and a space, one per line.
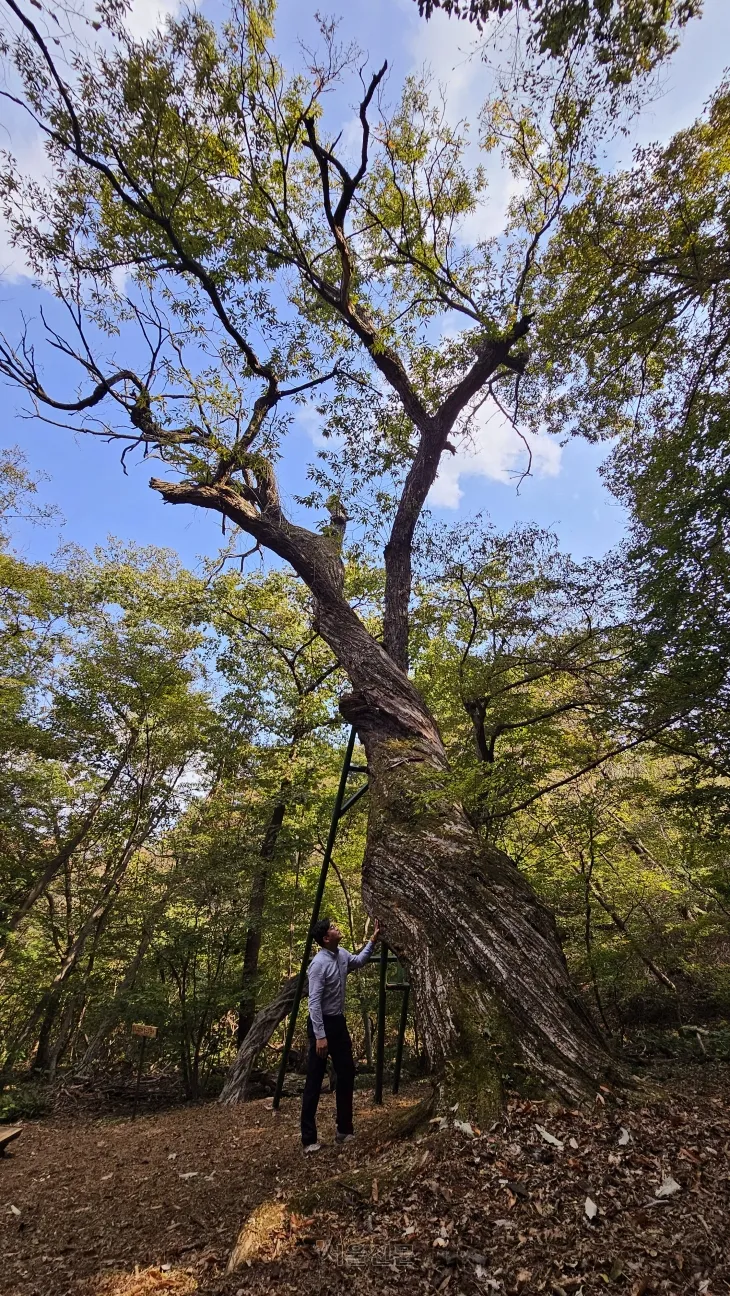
point(340, 1050)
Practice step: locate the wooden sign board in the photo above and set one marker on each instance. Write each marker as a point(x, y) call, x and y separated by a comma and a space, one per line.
point(7, 1136)
point(147, 1032)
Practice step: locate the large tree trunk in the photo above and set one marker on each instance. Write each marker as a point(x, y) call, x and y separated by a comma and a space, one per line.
point(491, 983)
point(490, 979)
point(487, 966)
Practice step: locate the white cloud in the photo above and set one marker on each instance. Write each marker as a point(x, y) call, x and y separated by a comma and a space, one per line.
point(451, 51)
point(146, 15)
point(495, 452)
point(26, 146)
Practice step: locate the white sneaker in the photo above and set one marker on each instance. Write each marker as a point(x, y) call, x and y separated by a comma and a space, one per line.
point(312, 1147)
point(344, 1138)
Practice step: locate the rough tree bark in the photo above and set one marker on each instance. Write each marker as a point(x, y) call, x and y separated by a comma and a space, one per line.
point(262, 1028)
point(483, 954)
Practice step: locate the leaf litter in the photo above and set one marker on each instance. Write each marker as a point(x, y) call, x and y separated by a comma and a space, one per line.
point(504, 1210)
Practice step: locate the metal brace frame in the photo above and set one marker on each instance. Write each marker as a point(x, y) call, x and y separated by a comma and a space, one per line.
point(340, 808)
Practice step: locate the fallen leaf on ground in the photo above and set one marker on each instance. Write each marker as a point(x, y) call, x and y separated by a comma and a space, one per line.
point(464, 1128)
point(590, 1208)
point(147, 1282)
point(550, 1138)
point(668, 1187)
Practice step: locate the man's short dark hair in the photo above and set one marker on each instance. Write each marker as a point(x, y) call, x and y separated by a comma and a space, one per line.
point(320, 929)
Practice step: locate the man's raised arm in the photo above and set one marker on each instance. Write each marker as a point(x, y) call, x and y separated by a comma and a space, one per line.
point(359, 960)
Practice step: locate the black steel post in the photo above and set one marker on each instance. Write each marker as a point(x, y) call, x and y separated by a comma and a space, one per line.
point(401, 1037)
point(380, 1049)
point(142, 1043)
point(337, 811)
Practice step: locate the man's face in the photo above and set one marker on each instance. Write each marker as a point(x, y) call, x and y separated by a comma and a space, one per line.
point(333, 937)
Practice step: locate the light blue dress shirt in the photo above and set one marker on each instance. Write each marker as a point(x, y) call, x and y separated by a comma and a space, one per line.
point(327, 975)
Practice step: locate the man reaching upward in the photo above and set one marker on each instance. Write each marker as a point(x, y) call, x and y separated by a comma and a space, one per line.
point(327, 1030)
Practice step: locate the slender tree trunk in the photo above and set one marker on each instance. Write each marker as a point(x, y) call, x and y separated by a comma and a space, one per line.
point(256, 905)
point(367, 1034)
point(263, 1027)
point(622, 926)
point(45, 1011)
point(53, 866)
point(125, 985)
point(42, 1053)
point(71, 1014)
point(293, 909)
point(588, 937)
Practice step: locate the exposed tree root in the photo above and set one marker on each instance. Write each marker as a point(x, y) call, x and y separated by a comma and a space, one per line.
point(273, 1225)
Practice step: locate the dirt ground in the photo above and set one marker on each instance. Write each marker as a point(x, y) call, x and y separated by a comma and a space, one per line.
point(630, 1196)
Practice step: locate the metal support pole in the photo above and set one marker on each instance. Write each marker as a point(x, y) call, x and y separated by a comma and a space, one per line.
point(350, 802)
point(142, 1043)
point(401, 1037)
point(337, 812)
point(380, 1049)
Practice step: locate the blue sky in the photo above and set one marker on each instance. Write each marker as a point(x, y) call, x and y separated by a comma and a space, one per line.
point(565, 493)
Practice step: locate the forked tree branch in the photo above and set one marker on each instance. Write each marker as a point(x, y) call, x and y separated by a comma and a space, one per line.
point(137, 201)
point(258, 496)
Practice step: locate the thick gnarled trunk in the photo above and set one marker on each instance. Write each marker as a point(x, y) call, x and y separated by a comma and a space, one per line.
point(262, 1028)
point(483, 952)
point(490, 979)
